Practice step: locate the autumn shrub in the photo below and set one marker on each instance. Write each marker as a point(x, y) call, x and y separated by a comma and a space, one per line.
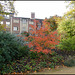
point(44, 39)
point(43, 43)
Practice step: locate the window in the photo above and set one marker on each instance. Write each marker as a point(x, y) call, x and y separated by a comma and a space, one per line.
point(15, 28)
point(24, 21)
point(1, 22)
point(31, 22)
point(7, 24)
point(6, 16)
point(23, 28)
point(16, 21)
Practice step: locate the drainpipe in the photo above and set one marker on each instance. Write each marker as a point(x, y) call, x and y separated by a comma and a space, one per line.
point(20, 26)
point(11, 26)
point(27, 25)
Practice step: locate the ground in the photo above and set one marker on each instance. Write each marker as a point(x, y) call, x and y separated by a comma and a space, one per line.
point(64, 70)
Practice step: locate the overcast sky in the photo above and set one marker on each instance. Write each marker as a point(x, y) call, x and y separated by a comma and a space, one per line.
point(42, 9)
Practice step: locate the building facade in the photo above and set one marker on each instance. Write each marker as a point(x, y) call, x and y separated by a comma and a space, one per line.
point(18, 25)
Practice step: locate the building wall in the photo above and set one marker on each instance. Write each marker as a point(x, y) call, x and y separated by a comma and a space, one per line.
point(15, 23)
point(33, 26)
point(24, 25)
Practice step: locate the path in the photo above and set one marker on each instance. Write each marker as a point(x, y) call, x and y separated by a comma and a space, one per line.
point(65, 70)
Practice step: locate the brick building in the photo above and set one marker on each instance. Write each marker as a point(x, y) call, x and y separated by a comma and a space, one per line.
point(18, 25)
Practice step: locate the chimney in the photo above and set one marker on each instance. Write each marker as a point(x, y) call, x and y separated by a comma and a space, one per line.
point(45, 17)
point(32, 15)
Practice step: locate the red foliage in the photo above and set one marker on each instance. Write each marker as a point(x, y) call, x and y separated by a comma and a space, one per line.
point(44, 39)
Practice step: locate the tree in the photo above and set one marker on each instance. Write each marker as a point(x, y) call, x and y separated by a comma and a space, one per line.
point(67, 30)
point(6, 7)
point(44, 40)
point(67, 25)
point(71, 13)
point(52, 22)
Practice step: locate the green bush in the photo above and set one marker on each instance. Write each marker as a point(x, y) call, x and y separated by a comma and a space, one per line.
point(52, 65)
point(68, 45)
point(43, 64)
point(28, 67)
point(25, 33)
point(33, 55)
point(19, 39)
point(24, 51)
point(70, 62)
point(67, 30)
point(10, 49)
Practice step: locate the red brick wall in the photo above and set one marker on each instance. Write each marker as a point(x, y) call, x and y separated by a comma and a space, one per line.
point(35, 26)
point(16, 25)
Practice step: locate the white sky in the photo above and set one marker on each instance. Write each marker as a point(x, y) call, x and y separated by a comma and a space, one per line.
point(42, 9)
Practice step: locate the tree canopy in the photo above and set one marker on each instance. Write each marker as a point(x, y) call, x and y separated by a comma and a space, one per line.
point(6, 7)
point(71, 13)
